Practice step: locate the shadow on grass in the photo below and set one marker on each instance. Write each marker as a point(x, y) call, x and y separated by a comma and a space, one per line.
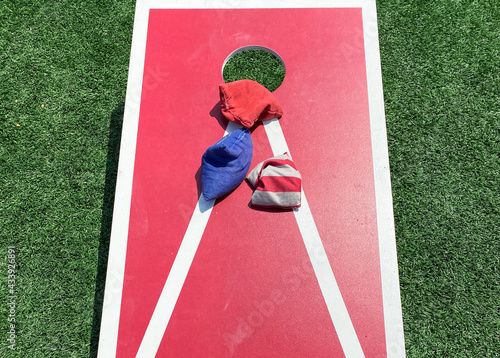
point(115, 132)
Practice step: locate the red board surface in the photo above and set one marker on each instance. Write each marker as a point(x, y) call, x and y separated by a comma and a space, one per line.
point(251, 290)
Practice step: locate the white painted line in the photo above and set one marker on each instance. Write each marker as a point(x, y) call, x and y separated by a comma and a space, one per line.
point(327, 282)
point(108, 336)
point(178, 273)
point(393, 317)
point(252, 4)
point(175, 280)
point(316, 251)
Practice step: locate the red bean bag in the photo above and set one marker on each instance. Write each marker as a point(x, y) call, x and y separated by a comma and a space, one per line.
point(246, 101)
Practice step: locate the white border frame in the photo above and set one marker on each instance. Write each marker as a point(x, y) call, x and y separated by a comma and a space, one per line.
point(385, 219)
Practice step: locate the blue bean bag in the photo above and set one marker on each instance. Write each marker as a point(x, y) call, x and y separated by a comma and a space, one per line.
point(225, 164)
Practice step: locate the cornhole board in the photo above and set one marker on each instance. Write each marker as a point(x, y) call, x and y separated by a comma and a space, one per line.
point(190, 278)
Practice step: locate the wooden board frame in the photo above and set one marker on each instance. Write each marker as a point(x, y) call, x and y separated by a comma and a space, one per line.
point(141, 78)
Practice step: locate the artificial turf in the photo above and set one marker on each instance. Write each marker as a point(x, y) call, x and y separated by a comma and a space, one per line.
point(257, 65)
point(441, 70)
point(63, 73)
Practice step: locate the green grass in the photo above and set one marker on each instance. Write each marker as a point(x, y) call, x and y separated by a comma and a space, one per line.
point(441, 70)
point(257, 65)
point(58, 167)
point(71, 58)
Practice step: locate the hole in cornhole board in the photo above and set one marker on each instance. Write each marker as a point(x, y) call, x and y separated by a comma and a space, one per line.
point(257, 63)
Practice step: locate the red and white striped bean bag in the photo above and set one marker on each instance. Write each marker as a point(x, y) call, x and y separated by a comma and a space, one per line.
point(277, 183)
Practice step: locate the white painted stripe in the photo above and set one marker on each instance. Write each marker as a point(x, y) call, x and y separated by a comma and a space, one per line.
point(178, 273)
point(175, 280)
point(327, 282)
point(276, 137)
point(316, 251)
point(251, 4)
point(108, 336)
point(393, 317)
